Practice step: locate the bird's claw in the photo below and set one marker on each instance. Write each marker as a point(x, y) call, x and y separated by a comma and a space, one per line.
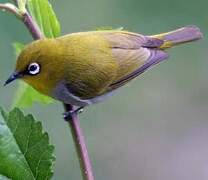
point(69, 114)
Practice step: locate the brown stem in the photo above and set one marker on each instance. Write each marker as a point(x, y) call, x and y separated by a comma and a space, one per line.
point(80, 145)
point(78, 137)
point(10, 8)
point(32, 26)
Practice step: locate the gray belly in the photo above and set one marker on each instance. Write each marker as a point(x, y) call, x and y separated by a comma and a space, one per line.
point(62, 94)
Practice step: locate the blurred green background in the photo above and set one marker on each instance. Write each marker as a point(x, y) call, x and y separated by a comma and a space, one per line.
point(156, 127)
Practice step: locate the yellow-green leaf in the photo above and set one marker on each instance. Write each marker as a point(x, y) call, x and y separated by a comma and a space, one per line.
point(42, 12)
point(26, 96)
point(21, 5)
point(18, 48)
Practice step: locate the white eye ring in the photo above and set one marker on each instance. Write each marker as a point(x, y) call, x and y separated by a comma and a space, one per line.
point(34, 68)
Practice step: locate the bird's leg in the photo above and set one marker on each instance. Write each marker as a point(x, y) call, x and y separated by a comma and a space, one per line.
point(68, 115)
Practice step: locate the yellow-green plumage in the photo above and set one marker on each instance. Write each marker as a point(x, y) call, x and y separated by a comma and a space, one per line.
point(83, 66)
point(81, 57)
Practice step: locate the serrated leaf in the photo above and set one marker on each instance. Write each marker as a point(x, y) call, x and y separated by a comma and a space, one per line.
point(25, 95)
point(42, 12)
point(25, 152)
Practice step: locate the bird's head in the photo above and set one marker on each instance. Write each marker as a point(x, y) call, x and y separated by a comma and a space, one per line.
point(39, 64)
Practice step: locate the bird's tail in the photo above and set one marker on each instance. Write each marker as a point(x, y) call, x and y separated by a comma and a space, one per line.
point(179, 36)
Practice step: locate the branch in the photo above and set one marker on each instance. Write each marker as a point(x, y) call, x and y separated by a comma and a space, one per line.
point(78, 137)
point(80, 145)
point(32, 26)
point(10, 8)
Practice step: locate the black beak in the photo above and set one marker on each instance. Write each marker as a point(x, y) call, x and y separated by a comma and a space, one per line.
point(13, 77)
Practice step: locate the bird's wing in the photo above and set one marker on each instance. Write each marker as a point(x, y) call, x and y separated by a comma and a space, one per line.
point(134, 53)
point(155, 57)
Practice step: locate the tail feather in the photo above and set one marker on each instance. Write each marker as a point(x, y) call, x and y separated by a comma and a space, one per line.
point(179, 36)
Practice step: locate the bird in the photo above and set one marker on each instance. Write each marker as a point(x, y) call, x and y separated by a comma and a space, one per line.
point(85, 68)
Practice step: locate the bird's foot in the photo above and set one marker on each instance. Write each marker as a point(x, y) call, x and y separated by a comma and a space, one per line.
point(69, 114)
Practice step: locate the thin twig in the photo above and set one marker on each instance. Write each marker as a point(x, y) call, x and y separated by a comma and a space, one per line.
point(10, 8)
point(80, 145)
point(78, 137)
point(32, 26)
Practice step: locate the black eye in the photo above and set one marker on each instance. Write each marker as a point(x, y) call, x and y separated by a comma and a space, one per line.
point(33, 68)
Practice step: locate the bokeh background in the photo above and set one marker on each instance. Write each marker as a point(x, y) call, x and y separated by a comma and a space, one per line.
point(156, 127)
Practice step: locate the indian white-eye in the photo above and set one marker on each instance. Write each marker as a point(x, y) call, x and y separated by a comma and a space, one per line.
point(83, 68)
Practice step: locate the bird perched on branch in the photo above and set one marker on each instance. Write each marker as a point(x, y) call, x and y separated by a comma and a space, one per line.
point(84, 68)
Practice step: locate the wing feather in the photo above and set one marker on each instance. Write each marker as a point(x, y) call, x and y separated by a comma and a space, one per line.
point(124, 39)
point(155, 57)
point(135, 53)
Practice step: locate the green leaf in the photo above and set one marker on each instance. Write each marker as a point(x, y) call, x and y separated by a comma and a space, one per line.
point(18, 48)
point(21, 5)
point(42, 12)
point(25, 152)
point(25, 95)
